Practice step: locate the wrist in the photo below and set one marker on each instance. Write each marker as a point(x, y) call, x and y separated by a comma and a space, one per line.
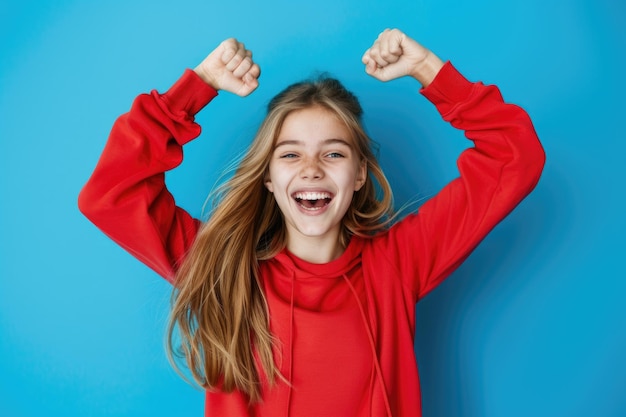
point(206, 77)
point(427, 69)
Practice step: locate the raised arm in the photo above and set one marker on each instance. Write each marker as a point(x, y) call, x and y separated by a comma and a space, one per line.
point(495, 175)
point(126, 196)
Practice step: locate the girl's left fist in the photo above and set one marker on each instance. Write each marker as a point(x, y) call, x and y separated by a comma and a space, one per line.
point(393, 55)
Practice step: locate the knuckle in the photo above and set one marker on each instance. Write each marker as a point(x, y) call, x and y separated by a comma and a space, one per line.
point(246, 63)
point(236, 60)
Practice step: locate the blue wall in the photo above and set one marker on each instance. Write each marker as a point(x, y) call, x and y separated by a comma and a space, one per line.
point(532, 324)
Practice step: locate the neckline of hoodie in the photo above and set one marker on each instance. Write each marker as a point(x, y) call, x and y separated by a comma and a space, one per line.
point(333, 269)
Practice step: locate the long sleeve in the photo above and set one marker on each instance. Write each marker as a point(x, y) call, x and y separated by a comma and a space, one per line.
point(495, 175)
point(126, 196)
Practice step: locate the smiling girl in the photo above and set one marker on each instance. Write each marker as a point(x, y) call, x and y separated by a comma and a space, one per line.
point(297, 296)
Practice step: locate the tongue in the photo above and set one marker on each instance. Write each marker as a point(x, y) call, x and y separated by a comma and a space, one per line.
point(313, 203)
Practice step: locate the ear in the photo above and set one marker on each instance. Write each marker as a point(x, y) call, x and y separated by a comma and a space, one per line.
point(361, 176)
point(268, 184)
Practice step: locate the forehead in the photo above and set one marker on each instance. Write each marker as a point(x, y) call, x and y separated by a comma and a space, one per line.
point(313, 124)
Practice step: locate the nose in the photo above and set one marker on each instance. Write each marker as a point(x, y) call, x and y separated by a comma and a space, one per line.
point(311, 169)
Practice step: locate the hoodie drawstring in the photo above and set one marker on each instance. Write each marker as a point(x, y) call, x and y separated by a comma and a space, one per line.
point(291, 312)
point(370, 337)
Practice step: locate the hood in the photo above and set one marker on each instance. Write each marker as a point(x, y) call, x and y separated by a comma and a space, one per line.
point(298, 282)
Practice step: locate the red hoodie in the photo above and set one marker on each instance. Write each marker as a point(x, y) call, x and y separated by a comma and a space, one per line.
point(346, 328)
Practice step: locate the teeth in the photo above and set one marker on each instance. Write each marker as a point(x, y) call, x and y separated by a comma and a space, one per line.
point(311, 195)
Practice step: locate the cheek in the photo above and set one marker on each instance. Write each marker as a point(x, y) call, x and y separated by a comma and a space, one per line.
point(277, 180)
point(352, 179)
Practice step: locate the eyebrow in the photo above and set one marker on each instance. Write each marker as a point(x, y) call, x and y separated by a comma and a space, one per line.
point(325, 142)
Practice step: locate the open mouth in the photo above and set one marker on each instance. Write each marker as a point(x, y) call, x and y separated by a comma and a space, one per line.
point(312, 200)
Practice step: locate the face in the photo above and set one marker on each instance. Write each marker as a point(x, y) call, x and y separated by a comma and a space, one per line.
point(314, 171)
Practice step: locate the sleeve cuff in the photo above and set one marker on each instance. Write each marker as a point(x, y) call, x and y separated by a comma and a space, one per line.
point(447, 89)
point(189, 94)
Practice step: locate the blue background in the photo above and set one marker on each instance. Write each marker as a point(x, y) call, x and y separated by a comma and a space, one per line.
point(532, 324)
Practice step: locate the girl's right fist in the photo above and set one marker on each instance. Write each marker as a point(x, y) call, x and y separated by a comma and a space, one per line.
point(230, 68)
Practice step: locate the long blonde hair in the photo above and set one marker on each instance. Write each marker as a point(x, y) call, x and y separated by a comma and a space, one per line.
point(219, 311)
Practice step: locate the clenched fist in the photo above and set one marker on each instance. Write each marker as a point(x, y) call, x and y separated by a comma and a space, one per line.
point(230, 68)
point(393, 55)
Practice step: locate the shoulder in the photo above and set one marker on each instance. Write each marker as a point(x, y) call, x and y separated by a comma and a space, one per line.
point(398, 244)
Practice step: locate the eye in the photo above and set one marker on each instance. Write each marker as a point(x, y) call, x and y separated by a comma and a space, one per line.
point(288, 155)
point(335, 155)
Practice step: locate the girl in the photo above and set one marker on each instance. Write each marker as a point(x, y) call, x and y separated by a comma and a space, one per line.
point(297, 297)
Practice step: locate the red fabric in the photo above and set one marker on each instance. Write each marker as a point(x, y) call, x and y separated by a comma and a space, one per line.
point(329, 318)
